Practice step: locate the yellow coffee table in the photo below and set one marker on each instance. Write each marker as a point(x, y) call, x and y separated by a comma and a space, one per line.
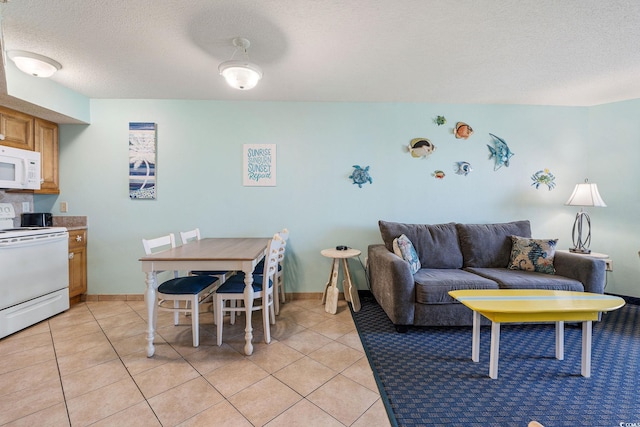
point(534, 305)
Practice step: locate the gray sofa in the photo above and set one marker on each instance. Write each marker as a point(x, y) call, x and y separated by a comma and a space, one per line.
point(462, 256)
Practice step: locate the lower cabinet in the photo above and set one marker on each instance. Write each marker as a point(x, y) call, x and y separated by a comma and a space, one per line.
point(77, 265)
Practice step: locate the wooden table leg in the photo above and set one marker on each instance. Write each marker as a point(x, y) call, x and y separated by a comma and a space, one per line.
point(326, 287)
point(586, 348)
point(560, 340)
point(348, 287)
point(331, 306)
point(248, 308)
point(152, 310)
point(495, 350)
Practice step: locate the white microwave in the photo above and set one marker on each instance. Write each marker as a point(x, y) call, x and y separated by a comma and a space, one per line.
point(19, 168)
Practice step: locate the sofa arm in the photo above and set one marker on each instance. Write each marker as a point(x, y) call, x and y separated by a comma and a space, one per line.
point(392, 284)
point(588, 270)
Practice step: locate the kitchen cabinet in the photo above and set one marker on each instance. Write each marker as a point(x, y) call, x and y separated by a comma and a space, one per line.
point(77, 264)
point(17, 129)
point(46, 143)
point(31, 133)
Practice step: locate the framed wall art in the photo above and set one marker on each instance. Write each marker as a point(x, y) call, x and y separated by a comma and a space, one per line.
point(142, 160)
point(259, 165)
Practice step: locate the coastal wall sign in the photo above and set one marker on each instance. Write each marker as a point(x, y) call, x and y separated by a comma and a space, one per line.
point(259, 165)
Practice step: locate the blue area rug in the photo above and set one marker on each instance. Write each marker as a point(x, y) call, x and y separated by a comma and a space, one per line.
point(426, 375)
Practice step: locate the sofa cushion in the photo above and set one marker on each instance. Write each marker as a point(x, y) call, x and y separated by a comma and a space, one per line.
point(532, 254)
point(518, 279)
point(436, 244)
point(403, 247)
point(489, 245)
point(433, 285)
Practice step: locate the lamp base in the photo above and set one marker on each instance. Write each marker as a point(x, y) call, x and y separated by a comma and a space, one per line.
point(580, 242)
point(580, 250)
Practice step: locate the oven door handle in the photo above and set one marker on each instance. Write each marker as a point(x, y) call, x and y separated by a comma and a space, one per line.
point(32, 240)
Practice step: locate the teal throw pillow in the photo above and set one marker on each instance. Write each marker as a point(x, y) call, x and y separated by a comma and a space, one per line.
point(533, 254)
point(403, 247)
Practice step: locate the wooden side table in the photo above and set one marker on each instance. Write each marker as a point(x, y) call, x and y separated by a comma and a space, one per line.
point(330, 294)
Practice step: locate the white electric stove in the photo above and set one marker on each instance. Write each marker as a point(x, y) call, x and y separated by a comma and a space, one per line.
point(34, 276)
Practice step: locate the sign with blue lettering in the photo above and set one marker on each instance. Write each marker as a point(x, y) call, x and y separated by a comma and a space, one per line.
point(259, 165)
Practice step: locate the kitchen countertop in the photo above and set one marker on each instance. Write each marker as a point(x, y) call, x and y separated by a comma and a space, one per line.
point(70, 222)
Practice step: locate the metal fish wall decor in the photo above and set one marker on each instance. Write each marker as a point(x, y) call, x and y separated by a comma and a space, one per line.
point(500, 152)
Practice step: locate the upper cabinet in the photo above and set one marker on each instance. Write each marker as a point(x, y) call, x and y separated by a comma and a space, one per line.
point(46, 143)
point(31, 133)
point(17, 129)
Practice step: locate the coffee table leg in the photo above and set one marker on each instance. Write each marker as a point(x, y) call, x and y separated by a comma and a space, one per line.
point(560, 340)
point(475, 340)
point(586, 348)
point(495, 350)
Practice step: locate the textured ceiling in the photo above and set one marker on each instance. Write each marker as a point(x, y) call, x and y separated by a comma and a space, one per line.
point(540, 52)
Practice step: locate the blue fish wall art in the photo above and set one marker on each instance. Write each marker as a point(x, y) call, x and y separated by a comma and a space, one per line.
point(500, 151)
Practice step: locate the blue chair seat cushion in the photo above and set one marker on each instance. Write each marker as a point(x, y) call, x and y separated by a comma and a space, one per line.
point(235, 285)
point(190, 285)
point(209, 273)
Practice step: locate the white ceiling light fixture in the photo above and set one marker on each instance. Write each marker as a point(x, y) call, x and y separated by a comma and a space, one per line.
point(34, 64)
point(240, 73)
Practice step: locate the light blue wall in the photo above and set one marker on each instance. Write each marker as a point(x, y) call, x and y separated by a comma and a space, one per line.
point(200, 184)
point(47, 94)
point(614, 156)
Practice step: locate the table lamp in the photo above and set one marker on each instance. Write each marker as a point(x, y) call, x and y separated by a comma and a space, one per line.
point(585, 194)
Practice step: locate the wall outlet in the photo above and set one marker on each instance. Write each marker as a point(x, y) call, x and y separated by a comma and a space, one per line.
point(26, 207)
point(64, 207)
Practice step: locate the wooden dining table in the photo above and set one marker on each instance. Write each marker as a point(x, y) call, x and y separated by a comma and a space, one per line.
point(232, 254)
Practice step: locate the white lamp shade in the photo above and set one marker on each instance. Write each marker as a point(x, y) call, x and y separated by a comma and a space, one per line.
point(586, 194)
point(34, 64)
point(240, 74)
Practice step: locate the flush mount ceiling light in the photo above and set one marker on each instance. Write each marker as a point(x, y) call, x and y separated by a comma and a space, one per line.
point(240, 73)
point(34, 64)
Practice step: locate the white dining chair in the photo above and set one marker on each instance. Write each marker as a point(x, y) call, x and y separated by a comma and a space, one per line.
point(279, 289)
point(190, 289)
point(191, 235)
point(263, 287)
point(222, 275)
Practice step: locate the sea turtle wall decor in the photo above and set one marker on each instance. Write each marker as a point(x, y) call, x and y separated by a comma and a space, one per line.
point(440, 120)
point(500, 151)
point(544, 177)
point(361, 175)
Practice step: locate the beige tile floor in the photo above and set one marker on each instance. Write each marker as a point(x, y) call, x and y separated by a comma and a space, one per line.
point(88, 366)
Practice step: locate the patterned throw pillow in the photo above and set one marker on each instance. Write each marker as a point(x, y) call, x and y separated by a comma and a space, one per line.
point(533, 254)
point(403, 247)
